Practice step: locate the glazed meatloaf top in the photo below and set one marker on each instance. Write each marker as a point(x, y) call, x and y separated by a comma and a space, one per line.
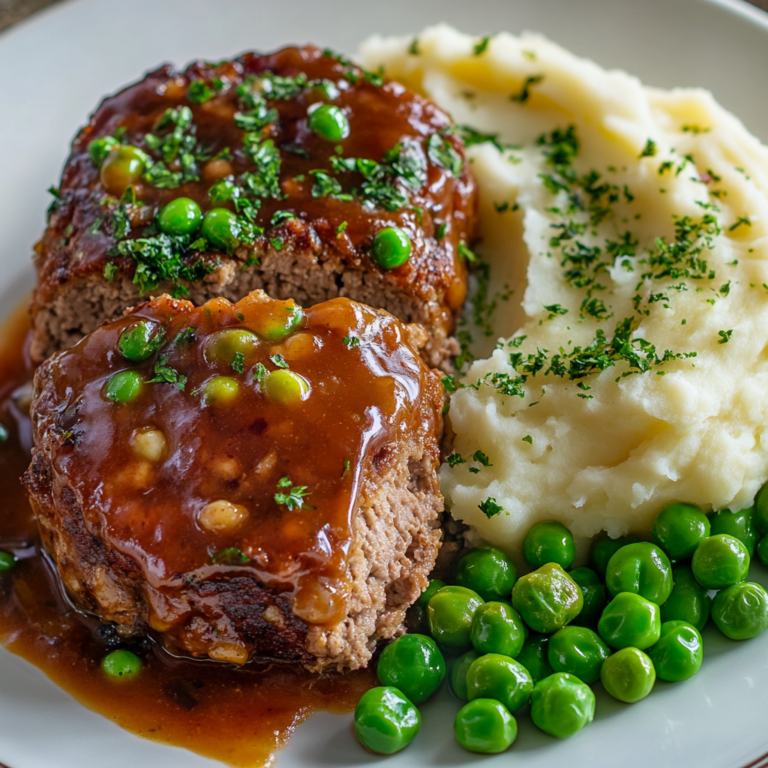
point(238, 135)
point(242, 479)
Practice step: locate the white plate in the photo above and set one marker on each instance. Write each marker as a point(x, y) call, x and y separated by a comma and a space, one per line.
point(52, 72)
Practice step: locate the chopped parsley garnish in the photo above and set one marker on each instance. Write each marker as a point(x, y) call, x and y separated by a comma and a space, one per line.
point(282, 88)
point(455, 459)
point(264, 180)
point(279, 361)
point(555, 309)
point(528, 439)
point(95, 228)
point(223, 190)
point(260, 371)
point(449, 383)
point(184, 336)
point(347, 465)
point(351, 342)
point(490, 507)
point(230, 556)
point(280, 217)
point(650, 149)
point(466, 254)
point(160, 259)
point(165, 374)
point(471, 136)
point(725, 336)
point(440, 231)
point(325, 185)
point(481, 458)
point(277, 243)
point(110, 270)
point(442, 154)
point(481, 47)
point(525, 91)
point(238, 362)
point(413, 48)
point(173, 139)
point(742, 220)
point(352, 72)
point(341, 228)
point(198, 92)
point(293, 498)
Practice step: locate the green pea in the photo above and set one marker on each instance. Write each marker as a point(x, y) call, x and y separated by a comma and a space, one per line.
point(549, 542)
point(680, 528)
point(7, 562)
point(497, 628)
point(141, 340)
point(679, 652)
point(578, 651)
point(285, 387)
point(221, 229)
point(414, 665)
point(432, 588)
point(762, 550)
point(485, 726)
point(595, 596)
point(488, 571)
point(604, 548)
point(498, 677)
point(740, 525)
point(450, 611)
point(689, 601)
point(323, 89)
point(630, 620)
point(121, 665)
point(278, 319)
point(760, 514)
point(534, 657)
point(220, 390)
point(122, 168)
point(547, 599)
point(561, 705)
point(181, 216)
point(457, 675)
point(99, 149)
point(720, 561)
point(386, 721)
point(741, 611)
point(391, 247)
point(642, 568)
point(222, 346)
point(628, 675)
point(328, 122)
point(124, 387)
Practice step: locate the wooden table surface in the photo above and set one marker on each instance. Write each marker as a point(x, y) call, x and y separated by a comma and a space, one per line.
point(13, 11)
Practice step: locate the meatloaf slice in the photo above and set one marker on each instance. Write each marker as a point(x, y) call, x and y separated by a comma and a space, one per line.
point(243, 479)
point(308, 202)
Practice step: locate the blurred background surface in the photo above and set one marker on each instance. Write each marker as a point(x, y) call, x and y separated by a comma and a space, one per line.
point(13, 11)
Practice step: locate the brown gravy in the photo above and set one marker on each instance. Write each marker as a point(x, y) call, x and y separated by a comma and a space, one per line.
point(238, 716)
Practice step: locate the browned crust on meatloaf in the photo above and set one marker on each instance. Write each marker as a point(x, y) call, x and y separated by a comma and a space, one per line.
point(316, 259)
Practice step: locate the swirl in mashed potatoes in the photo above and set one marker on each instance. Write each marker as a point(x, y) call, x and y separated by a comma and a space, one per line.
point(624, 232)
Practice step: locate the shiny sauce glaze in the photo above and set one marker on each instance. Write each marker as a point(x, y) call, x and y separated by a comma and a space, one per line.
point(428, 190)
point(232, 478)
point(240, 716)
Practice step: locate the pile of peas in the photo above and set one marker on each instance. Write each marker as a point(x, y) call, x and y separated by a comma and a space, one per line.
point(543, 639)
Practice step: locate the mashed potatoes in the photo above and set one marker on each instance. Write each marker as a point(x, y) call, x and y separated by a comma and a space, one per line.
point(624, 231)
